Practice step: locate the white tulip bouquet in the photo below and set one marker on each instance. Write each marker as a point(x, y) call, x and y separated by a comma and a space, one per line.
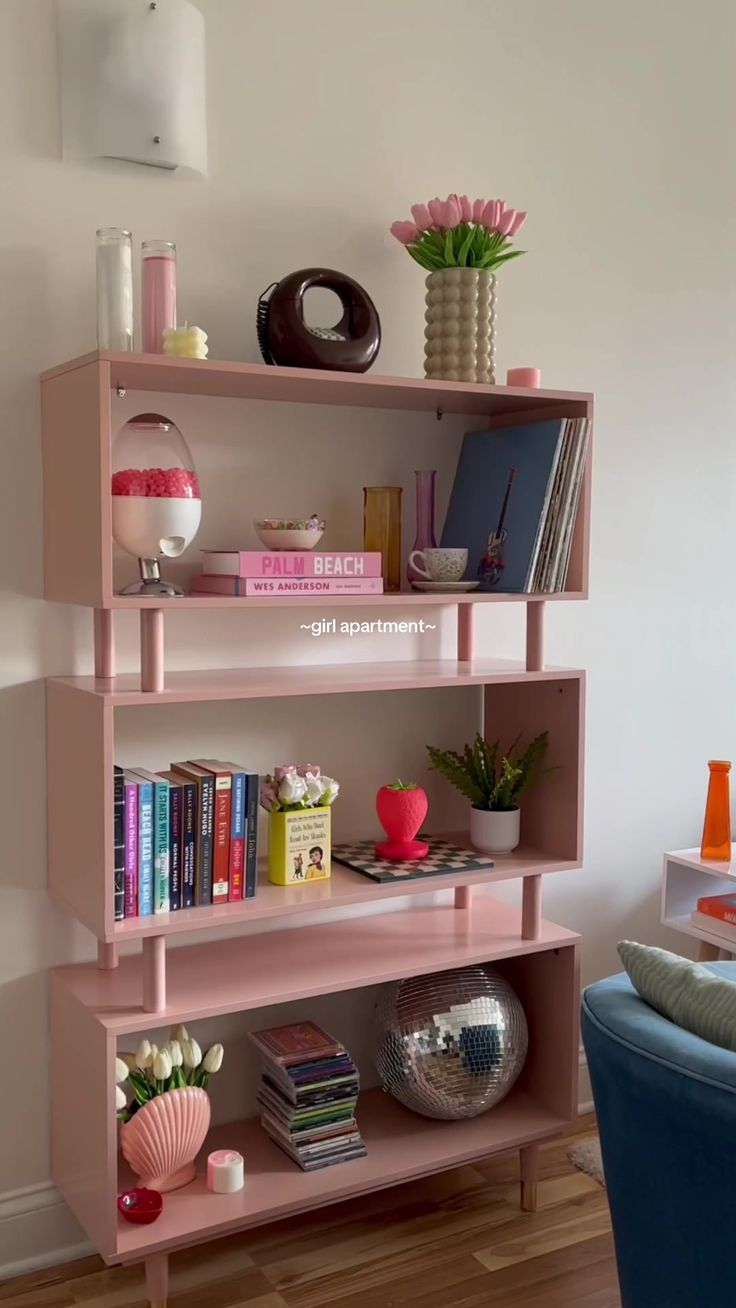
point(151, 1071)
point(295, 786)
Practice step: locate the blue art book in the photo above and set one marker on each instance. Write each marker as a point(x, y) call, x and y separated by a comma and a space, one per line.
point(161, 899)
point(145, 848)
point(499, 501)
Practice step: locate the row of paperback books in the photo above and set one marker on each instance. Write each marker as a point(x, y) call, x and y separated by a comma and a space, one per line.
point(308, 1095)
point(289, 572)
point(184, 837)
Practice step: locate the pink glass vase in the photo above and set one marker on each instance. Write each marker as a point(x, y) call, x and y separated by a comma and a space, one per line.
point(162, 1140)
point(425, 539)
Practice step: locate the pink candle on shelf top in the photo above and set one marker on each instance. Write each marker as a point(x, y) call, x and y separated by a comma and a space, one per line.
point(531, 378)
point(158, 293)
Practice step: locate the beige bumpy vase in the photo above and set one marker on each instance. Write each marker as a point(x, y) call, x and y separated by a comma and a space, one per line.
point(461, 325)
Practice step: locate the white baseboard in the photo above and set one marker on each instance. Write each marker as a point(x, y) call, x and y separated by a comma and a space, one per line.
point(585, 1093)
point(37, 1230)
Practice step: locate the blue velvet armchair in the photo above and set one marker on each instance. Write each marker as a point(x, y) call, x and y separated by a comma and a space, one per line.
point(666, 1106)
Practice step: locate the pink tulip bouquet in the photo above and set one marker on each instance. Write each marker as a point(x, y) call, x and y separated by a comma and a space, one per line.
point(460, 233)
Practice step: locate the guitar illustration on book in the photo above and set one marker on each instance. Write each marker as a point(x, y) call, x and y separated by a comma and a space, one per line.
point(491, 566)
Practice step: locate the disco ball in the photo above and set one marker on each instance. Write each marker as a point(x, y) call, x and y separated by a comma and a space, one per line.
point(452, 1044)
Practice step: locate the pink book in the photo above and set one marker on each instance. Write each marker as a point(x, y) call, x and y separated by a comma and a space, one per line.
point(131, 846)
point(291, 563)
point(287, 586)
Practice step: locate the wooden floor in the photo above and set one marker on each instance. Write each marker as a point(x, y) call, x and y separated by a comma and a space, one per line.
point(452, 1241)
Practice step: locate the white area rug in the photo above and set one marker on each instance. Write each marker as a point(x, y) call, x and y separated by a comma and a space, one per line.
point(586, 1156)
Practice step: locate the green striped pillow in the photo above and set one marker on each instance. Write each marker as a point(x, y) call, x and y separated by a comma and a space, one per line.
point(687, 993)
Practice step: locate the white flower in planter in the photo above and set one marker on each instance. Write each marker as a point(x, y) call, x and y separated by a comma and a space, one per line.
point(315, 788)
point(162, 1065)
point(179, 1033)
point(330, 789)
point(144, 1055)
point(175, 1053)
point(192, 1053)
point(213, 1058)
point(292, 789)
point(120, 1099)
point(121, 1070)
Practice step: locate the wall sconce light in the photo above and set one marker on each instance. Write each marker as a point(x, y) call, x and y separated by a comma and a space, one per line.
point(132, 76)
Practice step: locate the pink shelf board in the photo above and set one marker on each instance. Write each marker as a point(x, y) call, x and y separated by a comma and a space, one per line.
point(344, 889)
point(258, 381)
point(301, 679)
point(401, 1145)
point(231, 976)
point(402, 599)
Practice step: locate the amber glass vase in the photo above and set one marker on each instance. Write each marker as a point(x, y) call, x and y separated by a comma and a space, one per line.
point(382, 530)
point(716, 842)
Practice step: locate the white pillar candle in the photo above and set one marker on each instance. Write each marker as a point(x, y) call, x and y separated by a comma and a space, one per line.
point(114, 289)
point(225, 1171)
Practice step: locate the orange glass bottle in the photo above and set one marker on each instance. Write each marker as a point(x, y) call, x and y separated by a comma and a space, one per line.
point(716, 843)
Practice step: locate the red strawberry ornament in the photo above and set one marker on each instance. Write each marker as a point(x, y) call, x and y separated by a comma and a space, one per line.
point(401, 807)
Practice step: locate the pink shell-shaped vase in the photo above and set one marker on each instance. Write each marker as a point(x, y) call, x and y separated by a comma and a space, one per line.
point(164, 1137)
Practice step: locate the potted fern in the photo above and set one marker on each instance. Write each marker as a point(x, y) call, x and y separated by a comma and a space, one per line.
point(494, 783)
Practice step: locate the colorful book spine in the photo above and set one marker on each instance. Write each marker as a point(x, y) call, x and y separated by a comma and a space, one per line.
point(205, 783)
point(222, 798)
point(119, 842)
point(292, 563)
point(188, 842)
point(721, 907)
point(175, 846)
point(145, 848)
point(131, 846)
point(237, 836)
point(239, 586)
point(160, 838)
point(251, 834)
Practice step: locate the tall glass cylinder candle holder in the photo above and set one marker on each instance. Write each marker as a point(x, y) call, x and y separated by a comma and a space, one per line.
point(716, 842)
point(425, 538)
point(114, 289)
point(158, 293)
point(382, 530)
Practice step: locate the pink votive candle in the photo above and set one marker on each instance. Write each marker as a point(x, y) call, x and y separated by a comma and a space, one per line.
point(531, 378)
point(158, 293)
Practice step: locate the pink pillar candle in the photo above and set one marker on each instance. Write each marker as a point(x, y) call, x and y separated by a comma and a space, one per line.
point(225, 1171)
point(158, 293)
point(531, 378)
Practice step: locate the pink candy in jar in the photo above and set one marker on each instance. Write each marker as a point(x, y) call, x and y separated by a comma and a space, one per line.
point(156, 502)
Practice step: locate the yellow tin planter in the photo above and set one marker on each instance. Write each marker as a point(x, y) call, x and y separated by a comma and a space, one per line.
point(299, 846)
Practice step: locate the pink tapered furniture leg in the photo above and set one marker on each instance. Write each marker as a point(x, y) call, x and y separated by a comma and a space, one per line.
point(528, 1167)
point(104, 637)
point(157, 1280)
point(107, 955)
point(535, 637)
point(465, 632)
point(463, 896)
point(531, 908)
point(154, 974)
point(152, 650)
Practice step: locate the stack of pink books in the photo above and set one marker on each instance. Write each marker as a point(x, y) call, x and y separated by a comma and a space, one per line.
point(287, 572)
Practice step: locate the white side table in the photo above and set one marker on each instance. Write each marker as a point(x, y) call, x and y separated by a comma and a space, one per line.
point(686, 877)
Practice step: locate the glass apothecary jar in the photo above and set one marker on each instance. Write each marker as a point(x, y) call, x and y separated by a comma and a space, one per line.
point(156, 501)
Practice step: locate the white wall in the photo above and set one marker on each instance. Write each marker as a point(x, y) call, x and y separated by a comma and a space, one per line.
point(612, 124)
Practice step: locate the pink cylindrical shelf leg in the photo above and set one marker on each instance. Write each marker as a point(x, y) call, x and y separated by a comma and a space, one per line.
point(531, 908)
point(157, 1280)
point(152, 650)
point(154, 974)
point(528, 1171)
point(104, 644)
point(107, 955)
point(535, 636)
point(465, 632)
point(463, 896)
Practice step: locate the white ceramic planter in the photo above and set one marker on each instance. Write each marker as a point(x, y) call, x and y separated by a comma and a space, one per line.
point(495, 833)
point(460, 325)
point(147, 526)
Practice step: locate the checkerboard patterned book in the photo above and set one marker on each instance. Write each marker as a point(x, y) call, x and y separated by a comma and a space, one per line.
point(443, 858)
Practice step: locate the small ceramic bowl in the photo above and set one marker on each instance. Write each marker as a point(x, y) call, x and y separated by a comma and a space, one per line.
point(140, 1206)
point(289, 533)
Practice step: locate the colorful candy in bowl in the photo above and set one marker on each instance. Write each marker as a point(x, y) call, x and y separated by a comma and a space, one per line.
point(289, 533)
